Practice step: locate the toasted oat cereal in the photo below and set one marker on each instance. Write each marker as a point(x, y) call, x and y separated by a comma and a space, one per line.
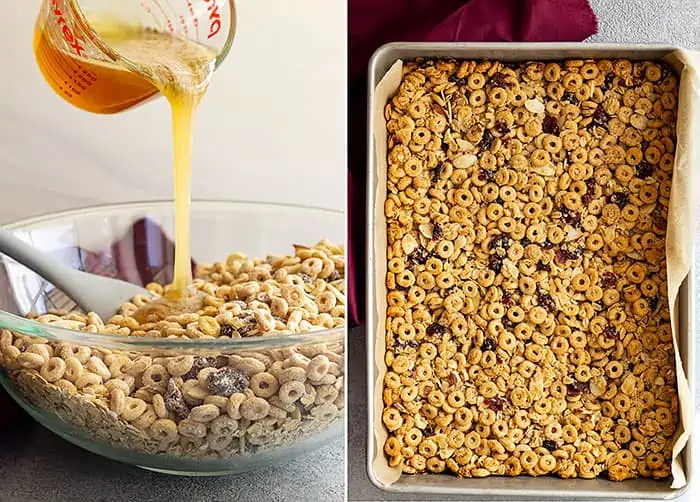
point(205, 404)
point(528, 327)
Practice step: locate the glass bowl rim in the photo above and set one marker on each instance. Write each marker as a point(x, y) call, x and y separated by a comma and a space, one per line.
point(27, 327)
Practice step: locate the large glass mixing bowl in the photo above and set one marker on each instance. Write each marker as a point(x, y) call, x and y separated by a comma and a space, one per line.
point(278, 427)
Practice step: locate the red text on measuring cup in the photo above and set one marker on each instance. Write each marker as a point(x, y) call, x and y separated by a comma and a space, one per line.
point(67, 32)
point(214, 18)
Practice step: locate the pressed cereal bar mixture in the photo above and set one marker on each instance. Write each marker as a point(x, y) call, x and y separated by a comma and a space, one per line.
point(528, 328)
point(203, 405)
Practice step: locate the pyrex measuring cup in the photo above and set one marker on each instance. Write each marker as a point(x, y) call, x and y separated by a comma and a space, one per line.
point(83, 69)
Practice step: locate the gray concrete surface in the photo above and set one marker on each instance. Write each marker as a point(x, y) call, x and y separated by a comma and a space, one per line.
point(674, 22)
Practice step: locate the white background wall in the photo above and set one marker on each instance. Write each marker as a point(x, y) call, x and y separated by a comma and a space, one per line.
point(271, 128)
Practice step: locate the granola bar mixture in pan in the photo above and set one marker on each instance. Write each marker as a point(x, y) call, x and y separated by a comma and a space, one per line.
point(528, 328)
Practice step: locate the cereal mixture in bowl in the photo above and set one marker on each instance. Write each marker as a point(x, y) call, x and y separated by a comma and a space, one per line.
point(528, 328)
point(256, 373)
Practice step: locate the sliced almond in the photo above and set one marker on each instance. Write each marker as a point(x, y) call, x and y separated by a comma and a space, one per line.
point(409, 244)
point(572, 234)
point(534, 106)
point(466, 146)
point(464, 161)
point(426, 230)
point(547, 170)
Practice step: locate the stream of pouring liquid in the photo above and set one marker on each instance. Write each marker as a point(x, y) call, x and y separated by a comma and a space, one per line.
point(181, 70)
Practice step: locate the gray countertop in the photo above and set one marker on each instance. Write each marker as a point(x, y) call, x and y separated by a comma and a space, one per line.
point(37, 466)
point(644, 21)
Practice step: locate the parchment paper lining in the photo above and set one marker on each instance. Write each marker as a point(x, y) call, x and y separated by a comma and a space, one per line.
point(679, 244)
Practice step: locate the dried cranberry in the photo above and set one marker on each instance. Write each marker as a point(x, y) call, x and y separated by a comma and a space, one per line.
point(489, 344)
point(397, 139)
point(571, 217)
point(437, 172)
point(542, 266)
point(434, 329)
point(590, 190)
point(498, 79)
point(437, 231)
point(495, 263)
point(644, 169)
point(564, 255)
point(500, 241)
point(576, 388)
point(226, 330)
point(619, 198)
point(501, 127)
point(550, 125)
point(507, 300)
point(653, 302)
point(547, 244)
point(609, 332)
point(608, 280)
point(550, 445)
point(546, 301)
point(570, 97)
point(485, 174)
point(600, 118)
point(486, 140)
point(495, 403)
point(660, 221)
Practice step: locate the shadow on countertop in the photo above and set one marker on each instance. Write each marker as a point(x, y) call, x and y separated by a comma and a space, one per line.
point(37, 466)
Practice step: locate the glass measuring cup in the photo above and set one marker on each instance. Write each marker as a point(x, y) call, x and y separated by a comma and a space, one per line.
point(85, 71)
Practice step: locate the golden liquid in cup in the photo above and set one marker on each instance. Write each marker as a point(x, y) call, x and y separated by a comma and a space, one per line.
point(177, 68)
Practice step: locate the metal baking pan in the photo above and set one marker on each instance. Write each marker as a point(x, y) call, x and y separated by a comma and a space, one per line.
point(522, 486)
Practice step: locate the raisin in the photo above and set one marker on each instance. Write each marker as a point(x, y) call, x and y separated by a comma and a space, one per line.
point(608, 280)
point(397, 139)
point(175, 401)
point(419, 256)
point(486, 140)
point(455, 79)
point(500, 241)
point(653, 302)
point(499, 200)
point(495, 403)
point(501, 127)
point(547, 244)
point(305, 277)
point(570, 97)
point(550, 125)
point(437, 231)
point(437, 172)
point(434, 329)
point(543, 266)
point(198, 365)
point(619, 198)
point(546, 301)
point(335, 275)
point(525, 242)
point(507, 323)
point(607, 83)
point(576, 388)
point(495, 263)
point(507, 300)
point(489, 344)
point(488, 175)
point(226, 330)
point(550, 445)
point(226, 381)
point(452, 379)
point(660, 221)
point(644, 169)
point(609, 332)
point(498, 79)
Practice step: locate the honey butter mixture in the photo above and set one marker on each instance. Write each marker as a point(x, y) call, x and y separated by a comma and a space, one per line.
point(528, 328)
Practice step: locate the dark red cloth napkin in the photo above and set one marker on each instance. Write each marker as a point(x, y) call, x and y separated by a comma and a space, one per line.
point(373, 23)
